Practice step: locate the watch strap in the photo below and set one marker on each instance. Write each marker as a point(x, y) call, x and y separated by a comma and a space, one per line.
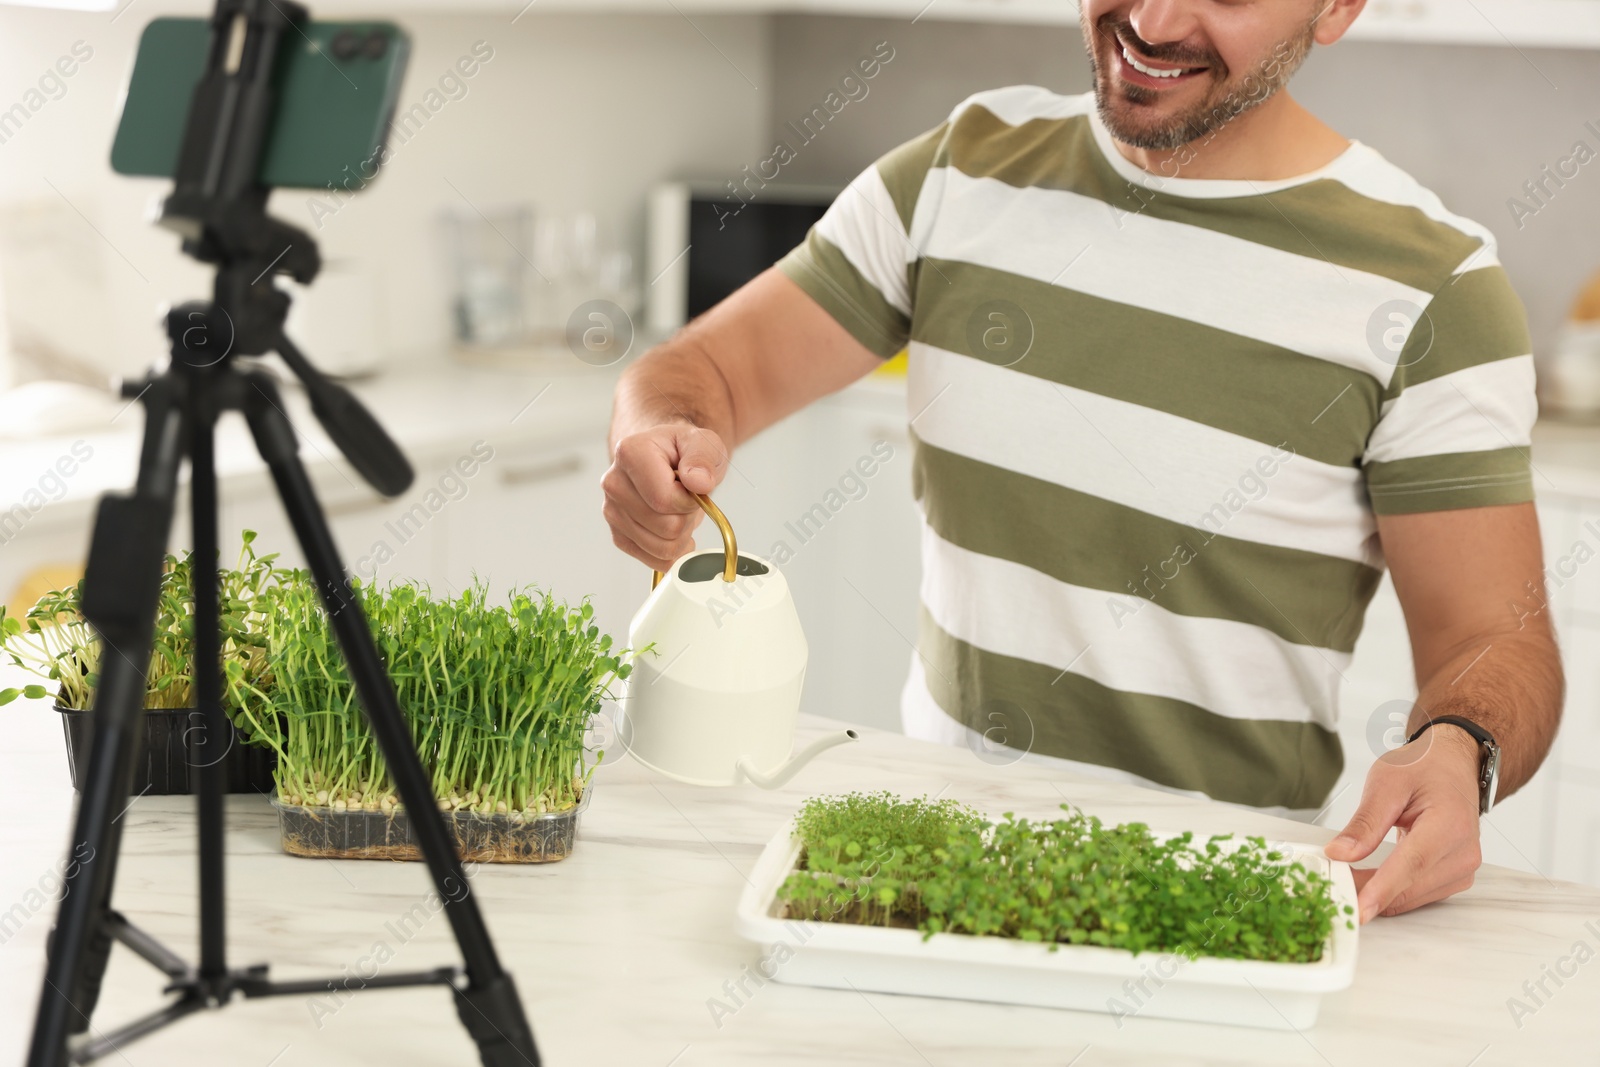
point(1482, 736)
point(1488, 768)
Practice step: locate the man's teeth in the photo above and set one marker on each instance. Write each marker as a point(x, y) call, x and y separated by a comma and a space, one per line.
point(1152, 71)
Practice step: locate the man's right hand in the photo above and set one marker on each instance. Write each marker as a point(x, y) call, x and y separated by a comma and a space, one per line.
point(651, 514)
point(765, 352)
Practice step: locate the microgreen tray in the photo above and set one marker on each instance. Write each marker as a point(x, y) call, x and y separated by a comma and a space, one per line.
point(323, 833)
point(169, 757)
point(1277, 996)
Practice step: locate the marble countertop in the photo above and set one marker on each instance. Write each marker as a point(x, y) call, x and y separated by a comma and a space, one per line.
point(621, 950)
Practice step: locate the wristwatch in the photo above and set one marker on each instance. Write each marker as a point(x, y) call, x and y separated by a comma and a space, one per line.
point(1489, 771)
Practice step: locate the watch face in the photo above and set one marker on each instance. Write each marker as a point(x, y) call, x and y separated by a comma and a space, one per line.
point(1489, 780)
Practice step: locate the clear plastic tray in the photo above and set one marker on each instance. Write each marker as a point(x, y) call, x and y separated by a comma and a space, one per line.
point(321, 832)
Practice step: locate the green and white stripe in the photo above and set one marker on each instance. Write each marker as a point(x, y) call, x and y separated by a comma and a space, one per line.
point(1140, 457)
point(1154, 532)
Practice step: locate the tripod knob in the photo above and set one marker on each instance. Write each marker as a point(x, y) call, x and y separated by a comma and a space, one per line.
point(202, 334)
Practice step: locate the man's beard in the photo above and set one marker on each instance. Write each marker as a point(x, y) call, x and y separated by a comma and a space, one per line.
point(1225, 103)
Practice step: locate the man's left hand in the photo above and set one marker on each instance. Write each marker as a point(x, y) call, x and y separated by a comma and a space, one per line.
point(1429, 790)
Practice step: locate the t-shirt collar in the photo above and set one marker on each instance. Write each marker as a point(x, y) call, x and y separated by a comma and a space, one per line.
point(1209, 187)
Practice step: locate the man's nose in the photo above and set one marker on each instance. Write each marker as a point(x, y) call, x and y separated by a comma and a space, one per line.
point(1164, 21)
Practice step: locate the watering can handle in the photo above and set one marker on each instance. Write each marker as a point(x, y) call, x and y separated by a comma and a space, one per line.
point(730, 548)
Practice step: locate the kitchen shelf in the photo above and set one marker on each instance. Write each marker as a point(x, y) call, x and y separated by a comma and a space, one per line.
point(1503, 23)
point(1536, 23)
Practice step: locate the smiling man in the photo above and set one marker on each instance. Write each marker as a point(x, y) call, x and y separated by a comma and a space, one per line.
point(1188, 370)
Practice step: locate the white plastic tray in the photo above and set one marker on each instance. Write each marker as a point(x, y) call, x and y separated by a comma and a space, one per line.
point(1277, 996)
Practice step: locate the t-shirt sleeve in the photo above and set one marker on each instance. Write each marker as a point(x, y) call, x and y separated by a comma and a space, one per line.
point(1457, 414)
point(859, 261)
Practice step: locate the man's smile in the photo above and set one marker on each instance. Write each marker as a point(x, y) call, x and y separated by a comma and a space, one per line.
point(1137, 69)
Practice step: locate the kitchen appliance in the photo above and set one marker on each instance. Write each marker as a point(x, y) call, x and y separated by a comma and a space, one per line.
point(714, 699)
point(704, 241)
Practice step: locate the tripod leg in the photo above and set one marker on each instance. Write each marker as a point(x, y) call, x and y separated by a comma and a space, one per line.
point(121, 589)
point(488, 1005)
point(207, 686)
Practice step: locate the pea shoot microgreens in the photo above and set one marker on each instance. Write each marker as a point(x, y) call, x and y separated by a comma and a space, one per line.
point(876, 859)
point(497, 698)
point(52, 640)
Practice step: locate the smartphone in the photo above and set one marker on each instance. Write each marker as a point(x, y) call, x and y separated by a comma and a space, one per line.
point(338, 85)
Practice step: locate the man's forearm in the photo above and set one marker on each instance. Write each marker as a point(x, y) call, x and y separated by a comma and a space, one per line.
point(1510, 684)
point(673, 382)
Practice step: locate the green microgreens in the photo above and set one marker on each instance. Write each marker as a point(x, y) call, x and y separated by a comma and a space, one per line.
point(940, 867)
point(497, 699)
point(54, 642)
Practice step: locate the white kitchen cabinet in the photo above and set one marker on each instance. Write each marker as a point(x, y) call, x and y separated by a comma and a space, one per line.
point(1578, 746)
point(45, 547)
point(1573, 594)
point(532, 517)
point(1508, 23)
point(864, 601)
point(378, 539)
point(1550, 23)
point(1558, 529)
point(1575, 820)
point(528, 514)
point(826, 495)
point(1573, 812)
point(870, 599)
point(1575, 565)
point(1544, 23)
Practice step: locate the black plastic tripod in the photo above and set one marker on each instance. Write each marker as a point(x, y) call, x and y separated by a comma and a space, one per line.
point(220, 209)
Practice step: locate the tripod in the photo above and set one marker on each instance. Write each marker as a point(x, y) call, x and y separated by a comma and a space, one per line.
point(221, 209)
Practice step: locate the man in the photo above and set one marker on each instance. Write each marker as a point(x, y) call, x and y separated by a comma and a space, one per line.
point(1187, 370)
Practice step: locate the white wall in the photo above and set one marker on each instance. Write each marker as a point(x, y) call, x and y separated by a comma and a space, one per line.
point(573, 111)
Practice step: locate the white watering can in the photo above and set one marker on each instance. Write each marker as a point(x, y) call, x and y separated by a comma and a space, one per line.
point(715, 701)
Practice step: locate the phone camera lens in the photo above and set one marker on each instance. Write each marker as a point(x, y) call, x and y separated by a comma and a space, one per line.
point(346, 45)
point(376, 45)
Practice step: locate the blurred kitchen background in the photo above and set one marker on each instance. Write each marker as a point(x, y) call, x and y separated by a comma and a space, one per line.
point(547, 217)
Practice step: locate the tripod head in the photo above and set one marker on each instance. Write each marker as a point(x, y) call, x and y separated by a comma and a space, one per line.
point(218, 205)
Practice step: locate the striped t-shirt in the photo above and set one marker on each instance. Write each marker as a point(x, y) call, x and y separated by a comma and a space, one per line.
point(1153, 419)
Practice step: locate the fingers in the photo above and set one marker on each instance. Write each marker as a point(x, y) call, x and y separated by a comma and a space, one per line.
point(1382, 800)
point(631, 548)
point(645, 545)
point(648, 505)
point(1411, 901)
point(1438, 846)
point(1436, 859)
point(648, 461)
point(623, 497)
point(1424, 791)
point(702, 460)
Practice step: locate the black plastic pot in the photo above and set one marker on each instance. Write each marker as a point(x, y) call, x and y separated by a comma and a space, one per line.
point(169, 753)
point(322, 833)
